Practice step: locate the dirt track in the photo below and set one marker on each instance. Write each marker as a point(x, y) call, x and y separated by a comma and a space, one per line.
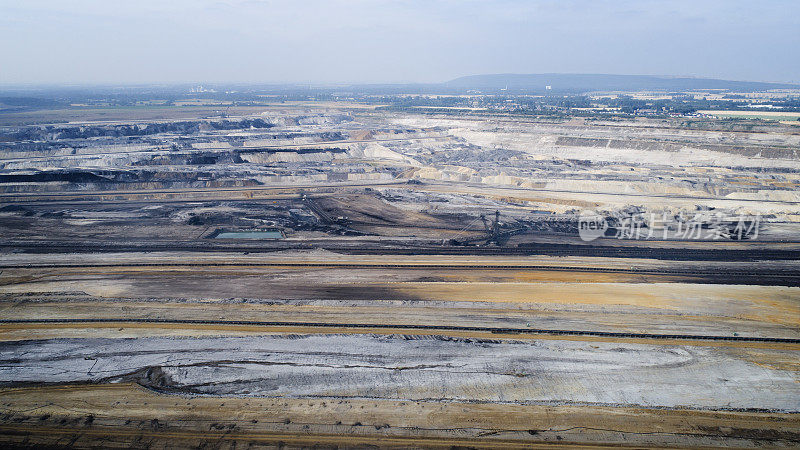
point(121, 414)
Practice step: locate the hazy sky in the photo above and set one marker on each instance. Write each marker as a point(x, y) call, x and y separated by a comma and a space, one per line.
point(142, 41)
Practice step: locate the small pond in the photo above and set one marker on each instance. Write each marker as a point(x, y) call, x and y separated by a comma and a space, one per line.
point(267, 234)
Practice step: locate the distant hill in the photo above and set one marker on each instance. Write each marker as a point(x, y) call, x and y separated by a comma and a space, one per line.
point(565, 82)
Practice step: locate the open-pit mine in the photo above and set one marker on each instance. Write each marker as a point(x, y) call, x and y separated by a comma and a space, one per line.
point(353, 272)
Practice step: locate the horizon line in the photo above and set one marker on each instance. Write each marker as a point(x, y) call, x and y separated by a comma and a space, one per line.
point(319, 84)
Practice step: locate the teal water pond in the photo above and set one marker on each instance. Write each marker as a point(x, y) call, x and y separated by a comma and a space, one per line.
point(250, 235)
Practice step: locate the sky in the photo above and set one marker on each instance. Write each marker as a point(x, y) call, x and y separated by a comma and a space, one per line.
point(392, 41)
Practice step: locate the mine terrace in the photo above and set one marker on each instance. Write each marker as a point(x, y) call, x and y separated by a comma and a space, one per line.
point(392, 267)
